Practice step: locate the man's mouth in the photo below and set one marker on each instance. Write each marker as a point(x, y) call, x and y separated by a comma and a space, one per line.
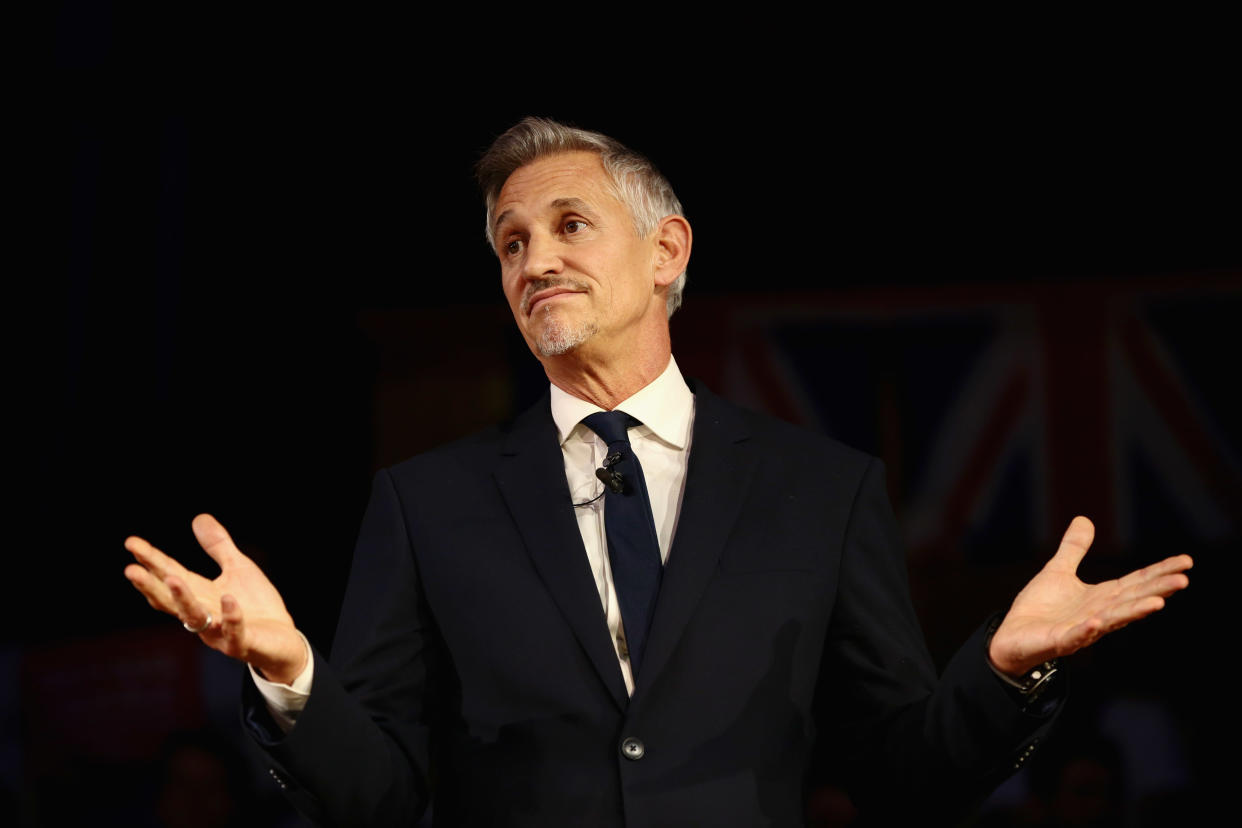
point(534, 297)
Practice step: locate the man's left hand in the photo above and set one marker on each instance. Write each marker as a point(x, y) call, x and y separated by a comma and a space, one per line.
point(1057, 614)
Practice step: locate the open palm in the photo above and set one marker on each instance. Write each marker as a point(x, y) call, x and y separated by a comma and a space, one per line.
point(238, 613)
point(1057, 614)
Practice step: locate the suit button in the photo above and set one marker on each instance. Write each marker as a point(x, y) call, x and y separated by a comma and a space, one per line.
point(633, 748)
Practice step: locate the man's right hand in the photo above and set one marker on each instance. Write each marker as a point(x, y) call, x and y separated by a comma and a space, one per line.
point(239, 613)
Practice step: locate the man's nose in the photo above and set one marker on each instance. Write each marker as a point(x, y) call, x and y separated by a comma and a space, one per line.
point(542, 257)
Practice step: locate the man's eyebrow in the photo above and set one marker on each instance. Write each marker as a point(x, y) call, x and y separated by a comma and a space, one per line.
point(565, 203)
point(500, 219)
point(572, 204)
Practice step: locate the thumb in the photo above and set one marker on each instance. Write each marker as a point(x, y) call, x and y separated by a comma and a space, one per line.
point(1074, 544)
point(215, 540)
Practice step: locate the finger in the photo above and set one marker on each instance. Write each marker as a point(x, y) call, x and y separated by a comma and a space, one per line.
point(1123, 614)
point(1161, 585)
point(1081, 635)
point(231, 622)
point(1075, 543)
point(215, 540)
point(189, 609)
point(1110, 620)
point(152, 588)
point(159, 564)
point(1175, 564)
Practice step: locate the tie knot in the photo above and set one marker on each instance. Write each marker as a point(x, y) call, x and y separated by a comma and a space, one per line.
point(611, 426)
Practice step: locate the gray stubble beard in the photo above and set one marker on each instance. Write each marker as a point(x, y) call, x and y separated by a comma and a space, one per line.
point(558, 338)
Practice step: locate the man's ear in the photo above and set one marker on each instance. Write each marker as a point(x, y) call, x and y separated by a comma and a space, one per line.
point(672, 248)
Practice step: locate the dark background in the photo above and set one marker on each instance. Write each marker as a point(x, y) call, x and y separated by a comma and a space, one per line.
point(261, 228)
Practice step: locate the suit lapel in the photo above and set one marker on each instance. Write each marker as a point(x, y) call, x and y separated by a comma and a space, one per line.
point(531, 476)
point(722, 464)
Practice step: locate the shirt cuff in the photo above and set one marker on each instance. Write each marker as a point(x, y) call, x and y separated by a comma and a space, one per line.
point(286, 701)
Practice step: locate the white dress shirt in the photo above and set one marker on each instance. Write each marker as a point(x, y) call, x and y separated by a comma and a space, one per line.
point(665, 409)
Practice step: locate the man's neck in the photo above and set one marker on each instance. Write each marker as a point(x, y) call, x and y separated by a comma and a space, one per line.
point(606, 382)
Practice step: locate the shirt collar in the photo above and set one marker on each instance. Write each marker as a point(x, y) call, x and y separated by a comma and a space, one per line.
point(665, 405)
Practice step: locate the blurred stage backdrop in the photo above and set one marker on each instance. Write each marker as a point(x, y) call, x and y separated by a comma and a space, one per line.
point(1023, 293)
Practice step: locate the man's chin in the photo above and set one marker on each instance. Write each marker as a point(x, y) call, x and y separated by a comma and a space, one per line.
point(557, 338)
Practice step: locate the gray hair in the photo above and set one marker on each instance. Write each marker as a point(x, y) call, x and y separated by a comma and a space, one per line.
point(635, 180)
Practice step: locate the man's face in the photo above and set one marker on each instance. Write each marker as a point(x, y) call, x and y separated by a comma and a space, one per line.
point(577, 276)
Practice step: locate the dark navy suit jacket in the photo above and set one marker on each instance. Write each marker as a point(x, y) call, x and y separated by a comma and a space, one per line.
point(472, 663)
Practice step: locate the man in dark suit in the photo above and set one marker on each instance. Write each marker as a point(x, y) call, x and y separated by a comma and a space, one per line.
point(521, 635)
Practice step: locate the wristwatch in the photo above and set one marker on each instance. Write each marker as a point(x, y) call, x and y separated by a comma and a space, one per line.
point(1033, 683)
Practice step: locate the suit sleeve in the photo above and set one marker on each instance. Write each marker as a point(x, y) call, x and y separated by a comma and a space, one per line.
point(359, 752)
point(909, 740)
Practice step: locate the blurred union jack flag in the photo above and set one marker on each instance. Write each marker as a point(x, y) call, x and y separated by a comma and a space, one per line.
point(1002, 411)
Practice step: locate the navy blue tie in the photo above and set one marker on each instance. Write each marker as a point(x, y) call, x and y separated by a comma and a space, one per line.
point(633, 546)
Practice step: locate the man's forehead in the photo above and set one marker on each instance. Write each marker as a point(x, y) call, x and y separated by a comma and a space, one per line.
point(555, 180)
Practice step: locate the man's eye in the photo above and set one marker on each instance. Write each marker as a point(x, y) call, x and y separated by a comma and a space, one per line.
point(513, 247)
point(575, 226)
